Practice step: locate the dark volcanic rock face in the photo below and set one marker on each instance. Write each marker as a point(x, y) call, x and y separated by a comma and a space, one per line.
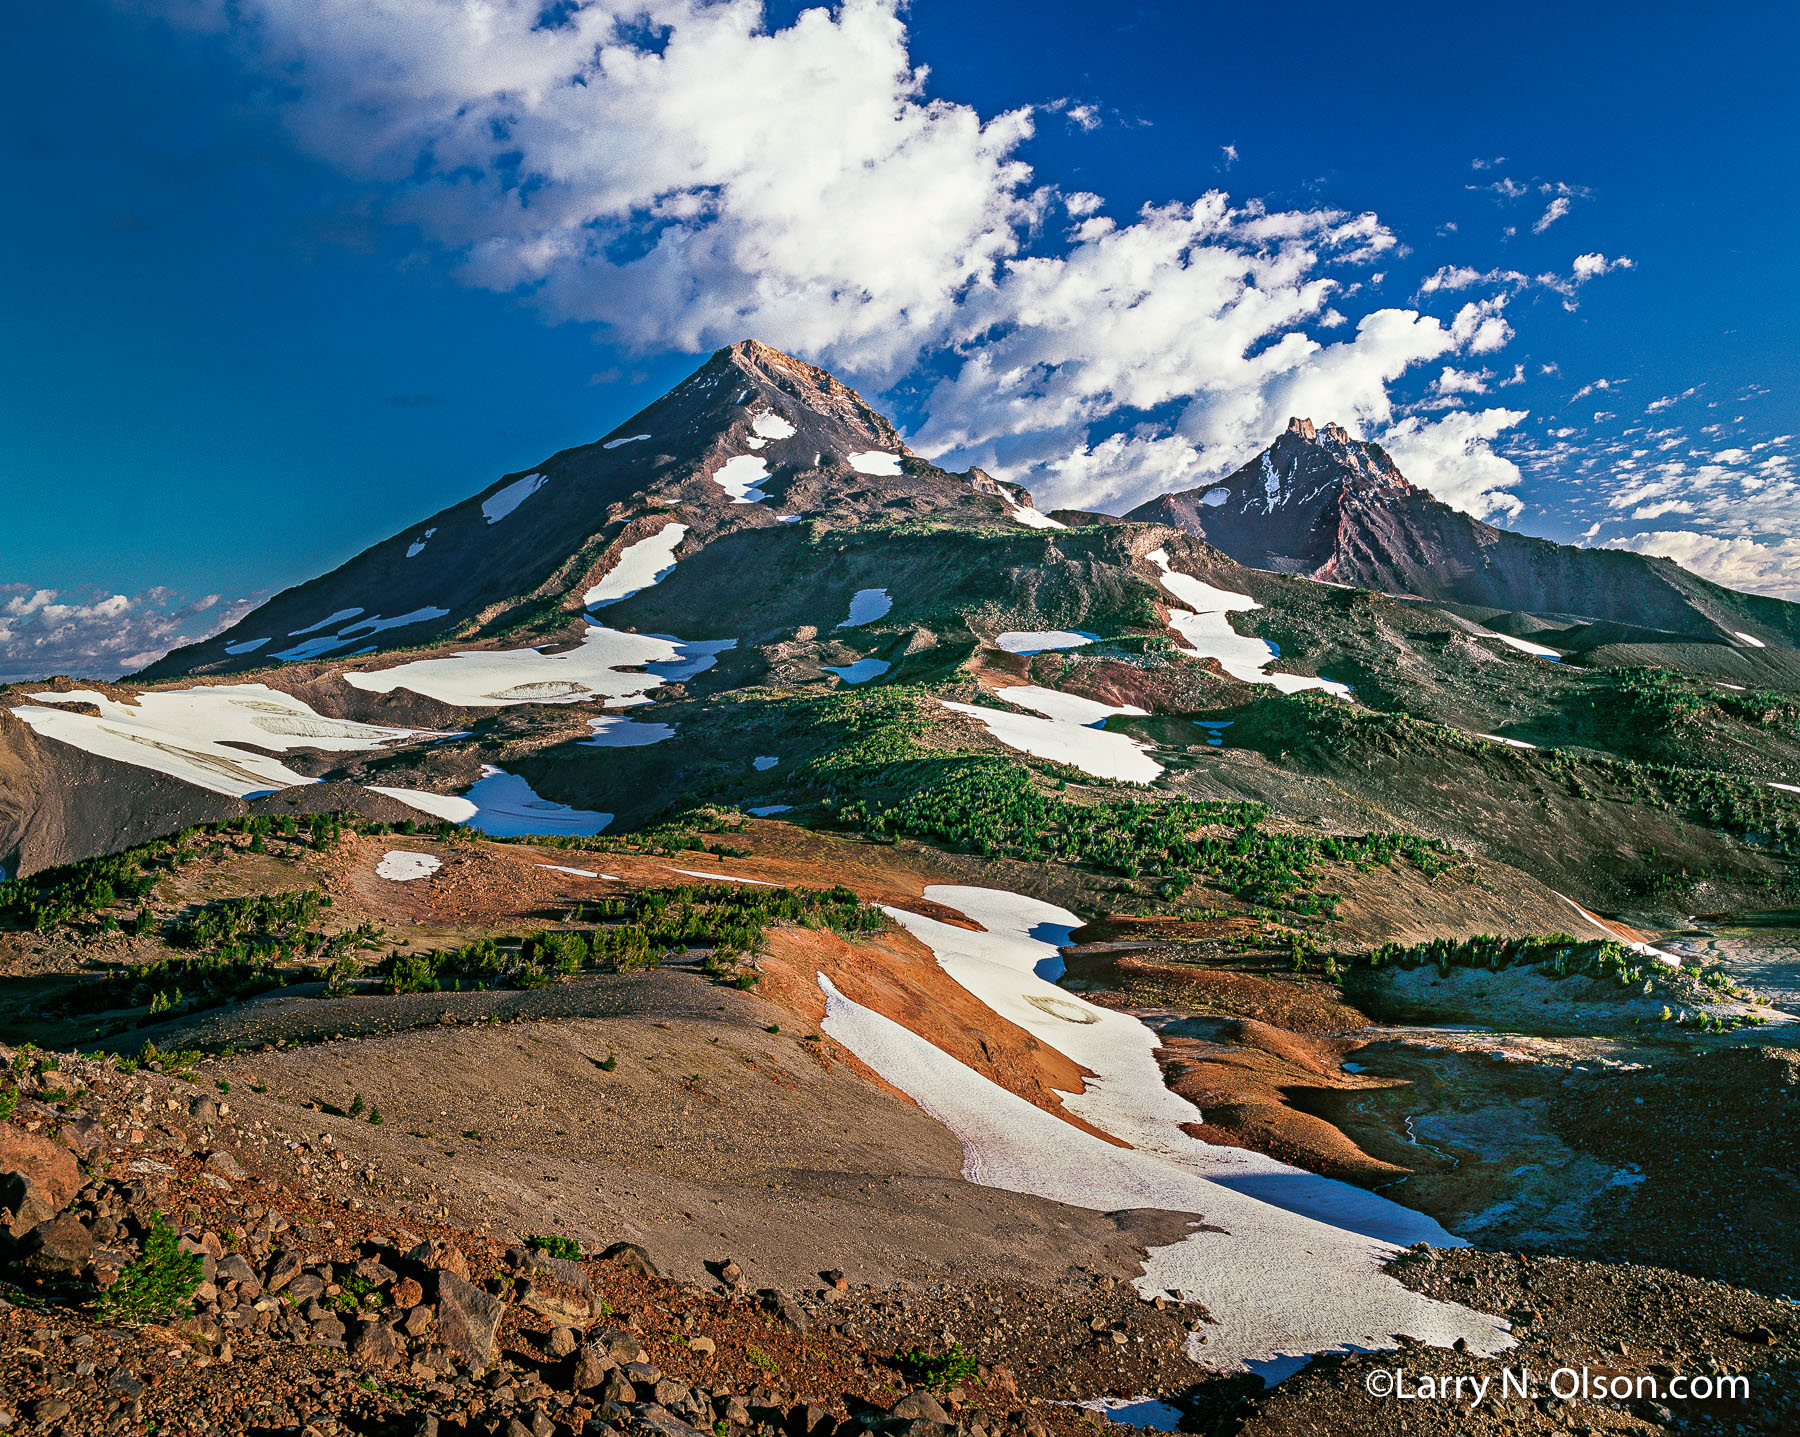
point(1324, 505)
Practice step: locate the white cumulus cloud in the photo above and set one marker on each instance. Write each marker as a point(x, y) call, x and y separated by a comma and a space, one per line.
point(100, 636)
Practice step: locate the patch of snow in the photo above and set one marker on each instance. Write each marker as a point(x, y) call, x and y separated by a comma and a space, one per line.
point(502, 502)
point(1213, 498)
point(754, 442)
point(404, 867)
point(875, 461)
point(763, 763)
point(628, 439)
point(866, 606)
point(739, 477)
point(1271, 484)
point(1136, 1412)
point(330, 621)
point(595, 669)
point(1509, 742)
point(1067, 708)
point(1037, 641)
point(417, 547)
point(639, 566)
point(248, 646)
point(768, 809)
point(1669, 959)
point(578, 872)
point(610, 731)
point(1064, 738)
point(787, 518)
point(1524, 646)
point(772, 426)
point(1750, 639)
point(1210, 635)
point(325, 643)
point(1786, 787)
point(1031, 519)
point(190, 734)
point(1263, 1220)
point(508, 807)
point(439, 805)
point(861, 671)
point(723, 877)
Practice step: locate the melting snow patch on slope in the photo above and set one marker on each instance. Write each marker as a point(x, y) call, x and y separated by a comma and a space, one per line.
point(739, 477)
point(188, 733)
point(772, 426)
point(361, 629)
point(639, 566)
point(875, 461)
point(446, 806)
point(767, 809)
point(1210, 635)
point(1786, 787)
point(861, 671)
point(508, 807)
point(404, 867)
point(1524, 646)
point(762, 763)
point(866, 606)
point(610, 731)
point(1031, 519)
point(1669, 959)
point(503, 501)
point(1136, 1412)
point(1038, 641)
point(1064, 735)
point(595, 669)
point(1242, 1265)
point(628, 439)
point(1509, 742)
point(1213, 498)
point(330, 621)
point(1750, 639)
point(723, 877)
point(417, 547)
point(247, 646)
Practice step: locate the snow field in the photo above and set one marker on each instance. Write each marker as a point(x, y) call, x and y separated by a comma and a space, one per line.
point(1031, 519)
point(439, 805)
point(1038, 641)
point(1750, 639)
point(739, 477)
point(1209, 633)
point(1064, 734)
point(866, 606)
point(188, 733)
point(596, 669)
point(1277, 1285)
point(628, 439)
point(640, 566)
point(1509, 742)
point(611, 731)
point(767, 809)
point(508, 807)
point(404, 867)
point(503, 501)
point(764, 762)
point(417, 547)
point(247, 646)
point(723, 877)
point(875, 461)
point(323, 644)
point(1524, 646)
point(772, 426)
point(861, 671)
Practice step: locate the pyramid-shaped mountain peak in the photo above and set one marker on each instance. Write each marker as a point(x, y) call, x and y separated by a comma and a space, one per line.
point(753, 439)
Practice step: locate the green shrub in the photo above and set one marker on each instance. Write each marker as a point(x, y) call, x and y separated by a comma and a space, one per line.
point(158, 1283)
point(553, 1245)
point(937, 1372)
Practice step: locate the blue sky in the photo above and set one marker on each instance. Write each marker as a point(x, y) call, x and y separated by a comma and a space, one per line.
point(268, 304)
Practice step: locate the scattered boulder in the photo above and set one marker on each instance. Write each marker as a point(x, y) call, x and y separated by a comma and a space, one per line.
point(468, 1320)
point(407, 1293)
point(921, 1406)
point(617, 1346)
point(283, 1268)
point(59, 1248)
point(783, 1309)
point(632, 1258)
point(225, 1165)
point(562, 1342)
point(48, 1164)
point(377, 1345)
point(23, 1204)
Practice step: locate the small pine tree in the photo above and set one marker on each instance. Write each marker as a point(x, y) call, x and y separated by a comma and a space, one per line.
point(158, 1283)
